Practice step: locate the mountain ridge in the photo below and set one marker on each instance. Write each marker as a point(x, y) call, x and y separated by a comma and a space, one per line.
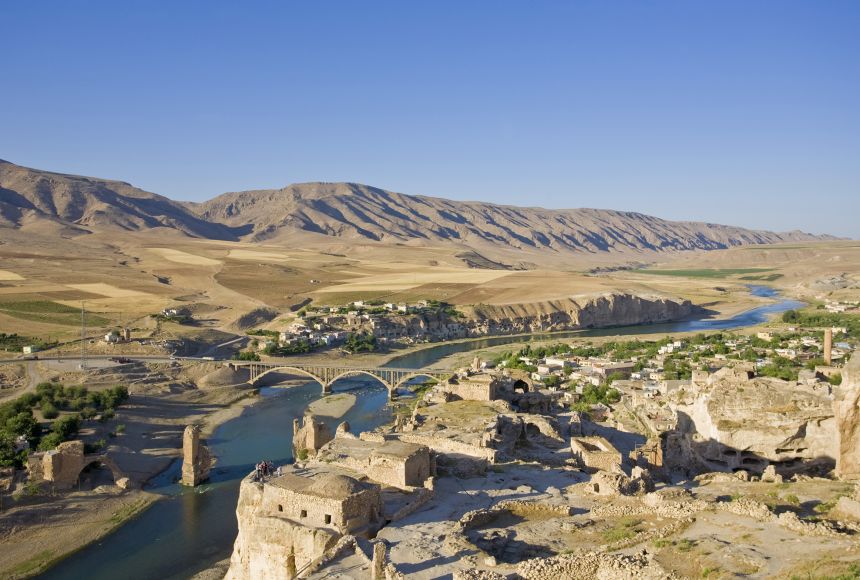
point(354, 212)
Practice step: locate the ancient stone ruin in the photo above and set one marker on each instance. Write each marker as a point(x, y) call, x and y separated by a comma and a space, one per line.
point(196, 459)
point(310, 436)
point(62, 467)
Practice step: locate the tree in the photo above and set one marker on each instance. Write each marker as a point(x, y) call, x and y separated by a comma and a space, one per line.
point(552, 381)
point(24, 424)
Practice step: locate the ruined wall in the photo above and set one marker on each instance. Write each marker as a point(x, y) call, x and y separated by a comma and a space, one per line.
point(63, 465)
point(410, 471)
point(469, 390)
point(442, 445)
point(595, 453)
point(310, 436)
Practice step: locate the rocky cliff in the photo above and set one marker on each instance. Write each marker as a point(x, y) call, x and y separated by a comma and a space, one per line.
point(269, 547)
point(847, 409)
point(732, 421)
point(575, 313)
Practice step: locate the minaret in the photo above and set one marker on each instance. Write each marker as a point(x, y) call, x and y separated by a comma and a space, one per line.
point(828, 346)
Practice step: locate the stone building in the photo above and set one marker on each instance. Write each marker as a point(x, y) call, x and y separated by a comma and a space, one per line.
point(329, 500)
point(288, 523)
point(595, 453)
point(196, 459)
point(388, 461)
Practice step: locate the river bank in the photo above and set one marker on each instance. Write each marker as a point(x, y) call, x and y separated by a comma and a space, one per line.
point(150, 444)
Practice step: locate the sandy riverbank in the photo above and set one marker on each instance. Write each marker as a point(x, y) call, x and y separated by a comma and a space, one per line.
point(334, 406)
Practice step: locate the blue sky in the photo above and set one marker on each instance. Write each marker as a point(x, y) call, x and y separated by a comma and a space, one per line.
point(741, 112)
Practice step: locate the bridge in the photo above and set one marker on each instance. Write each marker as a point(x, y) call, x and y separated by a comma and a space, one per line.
point(326, 375)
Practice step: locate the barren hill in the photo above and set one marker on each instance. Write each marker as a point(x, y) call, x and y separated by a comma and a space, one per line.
point(350, 213)
point(31, 197)
point(350, 210)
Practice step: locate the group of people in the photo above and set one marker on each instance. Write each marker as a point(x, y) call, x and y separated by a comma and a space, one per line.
point(265, 469)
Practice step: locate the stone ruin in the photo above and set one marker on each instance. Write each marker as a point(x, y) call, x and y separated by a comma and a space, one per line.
point(291, 521)
point(595, 453)
point(349, 488)
point(388, 461)
point(310, 436)
point(196, 459)
point(62, 466)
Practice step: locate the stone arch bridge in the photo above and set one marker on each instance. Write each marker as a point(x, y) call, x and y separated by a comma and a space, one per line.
point(326, 375)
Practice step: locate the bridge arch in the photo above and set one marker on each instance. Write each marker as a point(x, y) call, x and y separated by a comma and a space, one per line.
point(296, 370)
point(356, 372)
point(402, 381)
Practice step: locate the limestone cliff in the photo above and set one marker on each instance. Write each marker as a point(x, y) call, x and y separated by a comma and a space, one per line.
point(576, 312)
point(736, 422)
point(847, 410)
point(269, 547)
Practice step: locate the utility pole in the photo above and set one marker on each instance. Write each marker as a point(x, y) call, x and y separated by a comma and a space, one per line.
point(83, 338)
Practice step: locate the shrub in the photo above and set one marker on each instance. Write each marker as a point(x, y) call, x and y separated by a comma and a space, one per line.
point(50, 441)
point(49, 411)
point(66, 426)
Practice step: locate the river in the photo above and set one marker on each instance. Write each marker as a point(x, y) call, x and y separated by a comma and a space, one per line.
point(191, 529)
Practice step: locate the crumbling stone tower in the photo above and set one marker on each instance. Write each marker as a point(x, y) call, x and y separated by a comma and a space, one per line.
point(308, 438)
point(196, 460)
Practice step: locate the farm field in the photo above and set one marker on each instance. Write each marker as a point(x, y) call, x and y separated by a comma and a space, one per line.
point(124, 279)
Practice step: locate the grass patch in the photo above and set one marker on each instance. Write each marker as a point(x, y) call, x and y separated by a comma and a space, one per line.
point(763, 277)
point(50, 312)
point(128, 512)
point(685, 545)
point(706, 272)
point(34, 564)
point(624, 529)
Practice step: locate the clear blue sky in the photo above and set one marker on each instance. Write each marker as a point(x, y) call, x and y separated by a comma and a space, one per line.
point(743, 112)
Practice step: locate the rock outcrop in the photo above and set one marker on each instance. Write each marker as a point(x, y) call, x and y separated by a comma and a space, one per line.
point(617, 309)
point(847, 410)
point(196, 459)
point(732, 421)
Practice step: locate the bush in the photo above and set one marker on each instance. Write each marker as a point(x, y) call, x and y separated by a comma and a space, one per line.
point(66, 426)
point(50, 441)
point(49, 411)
